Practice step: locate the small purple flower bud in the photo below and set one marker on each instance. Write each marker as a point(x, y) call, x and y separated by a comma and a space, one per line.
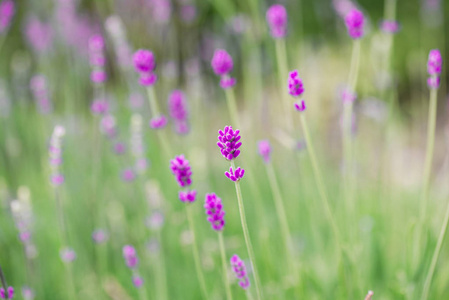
point(354, 21)
point(239, 268)
point(229, 142)
point(300, 106)
point(147, 79)
point(100, 236)
point(433, 82)
point(434, 62)
point(227, 82)
point(144, 61)
point(187, 196)
point(214, 211)
point(295, 85)
point(7, 10)
point(137, 281)
point(57, 179)
point(130, 256)
point(98, 76)
point(128, 175)
point(265, 150)
point(158, 122)
point(68, 255)
point(389, 26)
point(99, 106)
point(235, 175)
point(277, 20)
point(119, 148)
point(177, 105)
point(222, 62)
point(181, 169)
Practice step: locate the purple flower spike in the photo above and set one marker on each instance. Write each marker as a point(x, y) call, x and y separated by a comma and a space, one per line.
point(355, 21)
point(434, 62)
point(295, 85)
point(10, 293)
point(187, 196)
point(277, 20)
point(68, 255)
point(433, 82)
point(235, 175)
point(158, 122)
point(215, 212)
point(7, 9)
point(178, 111)
point(227, 82)
point(98, 76)
point(130, 256)
point(228, 141)
point(181, 169)
point(222, 62)
point(389, 26)
point(300, 106)
point(99, 106)
point(265, 150)
point(147, 79)
point(239, 268)
point(137, 281)
point(144, 61)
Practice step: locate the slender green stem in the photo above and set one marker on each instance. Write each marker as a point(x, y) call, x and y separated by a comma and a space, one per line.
point(249, 245)
point(319, 180)
point(225, 266)
point(232, 107)
point(435, 256)
point(282, 216)
point(3, 281)
point(281, 57)
point(390, 9)
point(162, 276)
point(152, 100)
point(249, 295)
point(196, 256)
point(429, 152)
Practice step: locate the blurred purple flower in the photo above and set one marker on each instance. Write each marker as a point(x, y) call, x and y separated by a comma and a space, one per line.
point(265, 150)
point(389, 26)
point(7, 10)
point(178, 110)
point(10, 293)
point(68, 254)
point(128, 175)
point(158, 122)
point(187, 196)
point(137, 281)
point(130, 256)
point(277, 21)
point(99, 106)
point(355, 21)
point(100, 236)
point(39, 34)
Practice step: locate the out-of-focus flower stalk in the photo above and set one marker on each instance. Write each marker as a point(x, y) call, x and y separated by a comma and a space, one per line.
point(224, 264)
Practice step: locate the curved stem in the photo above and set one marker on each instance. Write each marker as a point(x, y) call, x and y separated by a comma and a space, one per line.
point(225, 268)
point(435, 256)
point(196, 256)
point(249, 246)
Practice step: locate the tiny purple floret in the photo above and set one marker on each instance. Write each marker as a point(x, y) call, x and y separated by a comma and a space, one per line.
point(295, 84)
point(235, 175)
point(187, 196)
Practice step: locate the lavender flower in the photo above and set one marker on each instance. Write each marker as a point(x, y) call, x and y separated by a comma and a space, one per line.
point(265, 150)
point(130, 256)
point(99, 106)
point(187, 196)
point(99, 236)
point(389, 26)
point(145, 63)
point(27, 293)
point(295, 84)
point(222, 65)
point(355, 21)
point(300, 106)
point(137, 281)
point(181, 169)
point(55, 155)
point(39, 89)
point(239, 268)
point(277, 20)
point(67, 254)
point(434, 65)
point(119, 148)
point(97, 59)
point(10, 291)
point(235, 175)
point(128, 175)
point(108, 125)
point(39, 34)
point(178, 111)
point(7, 9)
point(228, 142)
point(215, 212)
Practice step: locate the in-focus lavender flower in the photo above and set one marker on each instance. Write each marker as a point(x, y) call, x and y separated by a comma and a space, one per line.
point(434, 66)
point(295, 84)
point(265, 150)
point(99, 236)
point(235, 175)
point(187, 196)
point(277, 21)
point(67, 254)
point(180, 167)
point(130, 256)
point(99, 106)
point(39, 34)
point(389, 26)
point(239, 268)
point(229, 142)
point(178, 111)
point(10, 292)
point(222, 65)
point(7, 10)
point(214, 211)
point(355, 21)
point(300, 106)
point(158, 122)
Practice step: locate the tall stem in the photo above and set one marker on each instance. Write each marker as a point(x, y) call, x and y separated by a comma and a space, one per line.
point(319, 181)
point(282, 216)
point(232, 106)
point(152, 100)
point(281, 57)
point(429, 152)
point(162, 276)
point(435, 256)
point(249, 246)
point(225, 266)
point(196, 256)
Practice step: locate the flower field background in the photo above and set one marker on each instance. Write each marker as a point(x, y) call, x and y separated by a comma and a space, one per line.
point(218, 149)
